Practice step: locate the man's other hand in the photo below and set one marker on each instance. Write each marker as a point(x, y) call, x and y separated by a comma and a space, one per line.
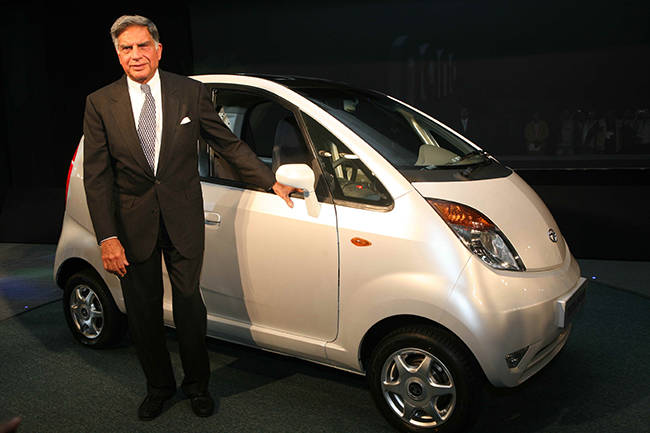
point(113, 257)
point(283, 191)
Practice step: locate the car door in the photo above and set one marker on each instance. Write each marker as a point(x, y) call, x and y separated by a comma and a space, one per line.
point(270, 272)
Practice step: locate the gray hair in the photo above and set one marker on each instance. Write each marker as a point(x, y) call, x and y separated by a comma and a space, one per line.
point(125, 21)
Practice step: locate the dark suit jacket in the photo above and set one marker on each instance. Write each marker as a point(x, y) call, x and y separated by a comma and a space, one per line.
point(125, 198)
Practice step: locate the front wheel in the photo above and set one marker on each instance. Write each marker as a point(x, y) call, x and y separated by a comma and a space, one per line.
point(91, 313)
point(424, 380)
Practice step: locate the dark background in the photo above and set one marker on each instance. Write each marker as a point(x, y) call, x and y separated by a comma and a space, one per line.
point(502, 61)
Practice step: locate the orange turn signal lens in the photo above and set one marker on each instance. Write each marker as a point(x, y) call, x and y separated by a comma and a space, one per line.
point(360, 242)
point(461, 215)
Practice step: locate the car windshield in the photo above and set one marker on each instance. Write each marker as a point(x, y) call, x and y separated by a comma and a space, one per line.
point(407, 139)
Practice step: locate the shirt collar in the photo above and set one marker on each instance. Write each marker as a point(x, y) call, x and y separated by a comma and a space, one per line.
point(154, 83)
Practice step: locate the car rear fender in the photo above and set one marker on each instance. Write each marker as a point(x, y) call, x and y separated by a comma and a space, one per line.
point(77, 249)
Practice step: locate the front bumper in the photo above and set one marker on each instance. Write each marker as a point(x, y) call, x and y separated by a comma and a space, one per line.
point(528, 314)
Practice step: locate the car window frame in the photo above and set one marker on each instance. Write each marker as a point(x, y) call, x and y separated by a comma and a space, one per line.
point(323, 193)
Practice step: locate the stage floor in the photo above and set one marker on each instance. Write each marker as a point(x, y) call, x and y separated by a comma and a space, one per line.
point(26, 277)
point(600, 381)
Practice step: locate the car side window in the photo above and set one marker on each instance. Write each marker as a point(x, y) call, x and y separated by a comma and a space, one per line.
point(269, 128)
point(349, 179)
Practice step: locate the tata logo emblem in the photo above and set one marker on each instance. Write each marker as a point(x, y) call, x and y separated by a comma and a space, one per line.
point(552, 235)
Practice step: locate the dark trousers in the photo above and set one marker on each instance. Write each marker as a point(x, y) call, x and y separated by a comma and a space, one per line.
point(142, 287)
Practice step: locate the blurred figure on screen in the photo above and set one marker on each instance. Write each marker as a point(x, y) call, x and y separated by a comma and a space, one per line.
point(567, 133)
point(643, 131)
point(536, 133)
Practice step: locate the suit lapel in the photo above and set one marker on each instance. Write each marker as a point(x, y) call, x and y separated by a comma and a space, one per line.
point(123, 113)
point(170, 108)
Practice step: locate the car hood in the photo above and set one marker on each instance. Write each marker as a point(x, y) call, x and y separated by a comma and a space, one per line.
point(515, 208)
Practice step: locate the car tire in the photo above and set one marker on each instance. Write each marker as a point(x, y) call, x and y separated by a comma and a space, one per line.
point(423, 379)
point(90, 311)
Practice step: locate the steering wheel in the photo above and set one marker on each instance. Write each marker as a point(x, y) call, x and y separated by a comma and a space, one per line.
point(342, 162)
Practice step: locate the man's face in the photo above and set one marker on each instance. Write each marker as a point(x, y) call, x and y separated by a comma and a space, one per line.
point(138, 53)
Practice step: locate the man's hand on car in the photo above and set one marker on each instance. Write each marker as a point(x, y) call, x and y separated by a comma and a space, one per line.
point(283, 191)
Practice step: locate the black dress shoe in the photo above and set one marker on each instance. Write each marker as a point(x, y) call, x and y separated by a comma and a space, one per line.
point(202, 404)
point(152, 406)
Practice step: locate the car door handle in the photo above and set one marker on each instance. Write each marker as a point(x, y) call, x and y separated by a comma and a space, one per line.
point(212, 218)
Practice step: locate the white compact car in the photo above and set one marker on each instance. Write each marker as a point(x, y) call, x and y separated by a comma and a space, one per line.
point(415, 257)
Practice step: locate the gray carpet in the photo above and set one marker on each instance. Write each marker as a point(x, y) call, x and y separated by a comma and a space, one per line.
point(56, 385)
point(26, 279)
point(599, 383)
point(624, 275)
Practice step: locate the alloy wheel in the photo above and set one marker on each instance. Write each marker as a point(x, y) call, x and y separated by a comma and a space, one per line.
point(418, 387)
point(86, 311)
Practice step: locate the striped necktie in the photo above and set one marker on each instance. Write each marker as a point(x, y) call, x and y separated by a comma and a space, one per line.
point(147, 126)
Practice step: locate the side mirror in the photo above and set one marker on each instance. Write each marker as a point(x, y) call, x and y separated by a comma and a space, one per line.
point(300, 176)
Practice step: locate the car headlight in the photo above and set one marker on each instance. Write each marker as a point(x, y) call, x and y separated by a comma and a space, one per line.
point(480, 235)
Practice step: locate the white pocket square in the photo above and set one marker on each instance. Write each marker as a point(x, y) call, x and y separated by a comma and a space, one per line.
point(185, 120)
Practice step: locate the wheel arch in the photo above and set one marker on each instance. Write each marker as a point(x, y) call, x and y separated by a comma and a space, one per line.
point(73, 265)
point(379, 330)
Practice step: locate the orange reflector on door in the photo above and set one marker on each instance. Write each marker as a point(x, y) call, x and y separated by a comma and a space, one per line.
point(360, 242)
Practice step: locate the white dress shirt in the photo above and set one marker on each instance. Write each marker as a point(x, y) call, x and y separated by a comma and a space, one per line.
point(137, 101)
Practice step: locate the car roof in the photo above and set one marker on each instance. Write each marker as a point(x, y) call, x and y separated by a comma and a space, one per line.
point(296, 81)
point(292, 82)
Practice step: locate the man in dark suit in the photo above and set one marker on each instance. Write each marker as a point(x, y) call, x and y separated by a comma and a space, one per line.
point(466, 128)
point(144, 197)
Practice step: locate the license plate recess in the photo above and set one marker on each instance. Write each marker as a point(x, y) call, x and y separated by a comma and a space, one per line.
point(568, 305)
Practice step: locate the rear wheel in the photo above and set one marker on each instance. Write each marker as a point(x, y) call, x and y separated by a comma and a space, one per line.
point(91, 313)
point(424, 380)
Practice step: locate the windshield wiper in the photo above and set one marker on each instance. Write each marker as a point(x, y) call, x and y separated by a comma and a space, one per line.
point(453, 163)
point(473, 153)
